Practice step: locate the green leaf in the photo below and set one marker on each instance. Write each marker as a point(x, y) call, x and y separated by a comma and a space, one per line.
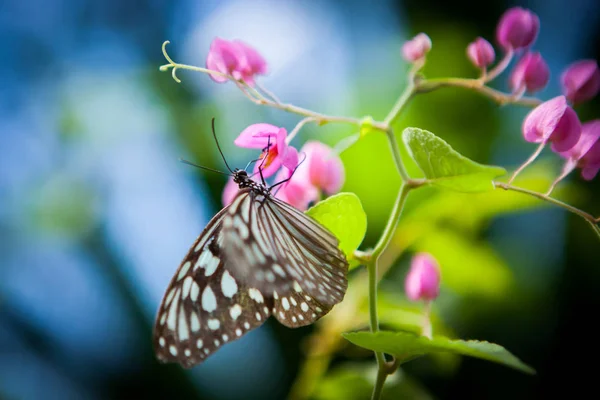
point(406, 346)
point(445, 167)
point(344, 216)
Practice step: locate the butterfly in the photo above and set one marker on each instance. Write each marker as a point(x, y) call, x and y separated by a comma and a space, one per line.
point(258, 257)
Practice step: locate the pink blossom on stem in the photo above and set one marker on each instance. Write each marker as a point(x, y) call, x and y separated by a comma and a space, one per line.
point(416, 48)
point(531, 73)
point(298, 191)
point(517, 28)
point(323, 167)
point(481, 53)
point(235, 58)
point(423, 280)
point(581, 81)
point(261, 136)
point(586, 153)
point(553, 121)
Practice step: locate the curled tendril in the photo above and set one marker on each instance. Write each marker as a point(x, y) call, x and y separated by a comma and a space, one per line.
point(171, 64)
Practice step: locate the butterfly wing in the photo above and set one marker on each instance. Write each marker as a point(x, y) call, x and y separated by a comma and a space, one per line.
point(278, 249)
point(205, 306)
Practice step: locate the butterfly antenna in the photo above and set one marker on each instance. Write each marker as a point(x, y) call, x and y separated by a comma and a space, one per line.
point(260, 167)
point(219, 147)
point(201, 167)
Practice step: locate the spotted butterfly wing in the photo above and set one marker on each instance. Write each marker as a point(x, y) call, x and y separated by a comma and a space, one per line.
point(216, 296)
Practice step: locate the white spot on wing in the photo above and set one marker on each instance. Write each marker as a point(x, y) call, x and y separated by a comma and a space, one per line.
point(256, 295)
point(187, 284)
point(304, 307)
point(161, 341)
point(297, 287)
point(194, 321)
point(228, 285)
point(214, 324)
point(199, 343)
point(278, 270)
point(209, 301)
point(211, 266)
point(194, 291)
point(172, 319)
point(235, 311)
point(173, 350)
point(184, 269)
point(183, 331)
point(285, 303)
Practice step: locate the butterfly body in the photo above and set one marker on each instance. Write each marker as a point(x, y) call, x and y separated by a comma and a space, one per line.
point(257, 257)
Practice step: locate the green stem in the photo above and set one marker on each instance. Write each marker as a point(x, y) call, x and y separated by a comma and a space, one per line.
point(372, 265)
point(407, 94)
point(588, 217)
point(396, 155)
point(478, 86)
point(378, 388)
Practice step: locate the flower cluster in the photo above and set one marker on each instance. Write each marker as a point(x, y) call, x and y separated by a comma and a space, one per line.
point(305, 180)
point(234, 58)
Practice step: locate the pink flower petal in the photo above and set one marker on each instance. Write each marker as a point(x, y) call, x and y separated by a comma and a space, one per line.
point(590, 134)
point(229, 192)
point(416, 48)
point(481, 53)
point(541, 122)
point(256, 136)
point(517, 28)
point(589, 173)
point(296, 192)
point(567, 132)
point(325, 168)
point(290, 160)
point(581, 81)
point(423, 280)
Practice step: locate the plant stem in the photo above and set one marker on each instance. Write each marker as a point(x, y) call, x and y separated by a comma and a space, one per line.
point(478, 86)
point(384, 240)
point(500, 67)
point(588, 217)
point(529, 161)
point(396, 155)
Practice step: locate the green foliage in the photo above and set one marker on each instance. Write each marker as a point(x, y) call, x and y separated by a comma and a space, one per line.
point(407, 346)
point(355, 382)
point(344, 216)
point(445, 167)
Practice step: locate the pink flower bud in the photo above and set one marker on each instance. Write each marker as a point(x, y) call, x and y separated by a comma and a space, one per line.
point(581, 81)
point(481, 53)
point(325, 168)
point(259, 136)
point(553, 121)
point(235, 58)
point(586, 153)
point(517, 28)
point(423, 280)
point(416, 48)
point(531, 73)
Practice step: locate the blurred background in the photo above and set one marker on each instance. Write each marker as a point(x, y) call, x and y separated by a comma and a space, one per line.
point(96, 212)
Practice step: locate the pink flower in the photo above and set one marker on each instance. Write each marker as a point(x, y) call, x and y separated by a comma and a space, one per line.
point(581, 81)
point(229, 193)
point(423, 280)
point(323, 167)
point(235, 58)
point(553, 121)
point(416, 48)
point(321, 171)
point(481, 53)
point(261, 136)
point(298, 192)
point(517, 28)
point(531, 73)
point(586, 153)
